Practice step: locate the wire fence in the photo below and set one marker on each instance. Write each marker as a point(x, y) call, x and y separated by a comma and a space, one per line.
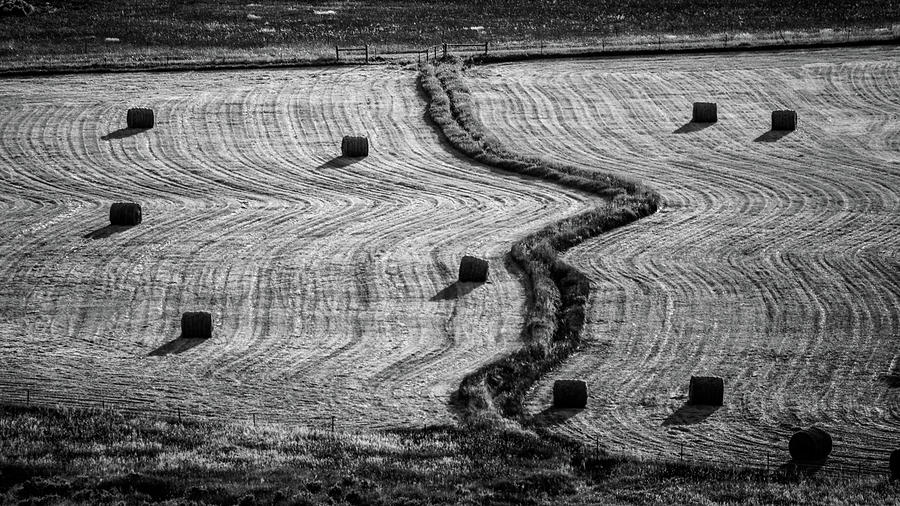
point(97, 52)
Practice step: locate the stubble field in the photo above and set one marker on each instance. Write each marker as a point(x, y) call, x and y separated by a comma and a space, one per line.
point(331, 283)
point(773, 263)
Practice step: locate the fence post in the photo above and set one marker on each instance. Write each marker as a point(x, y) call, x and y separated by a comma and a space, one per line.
point(485, 48)
point(367, 53)
point(254, 419)
point(445, 50)
point(337, 53)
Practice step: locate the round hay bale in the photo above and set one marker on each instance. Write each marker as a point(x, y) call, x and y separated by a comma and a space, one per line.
point(706, 390)
point(355, 147)
point(569, 394)
point(895, 464)
point(705, 112)
point(784, 120)
point(140, 117)
point(196, 325)
point(810, 444)
point(472, 270)
point(125, 213)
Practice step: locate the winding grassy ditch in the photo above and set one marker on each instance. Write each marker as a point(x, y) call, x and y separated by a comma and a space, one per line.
point(553, 325)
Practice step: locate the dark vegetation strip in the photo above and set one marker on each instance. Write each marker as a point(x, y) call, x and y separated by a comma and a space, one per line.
point(247, 62)
point(553, 325)
point(181, 66)
point(67, 26)
point(745, 47)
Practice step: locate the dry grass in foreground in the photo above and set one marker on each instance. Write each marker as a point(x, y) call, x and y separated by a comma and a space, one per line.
point(49, 456)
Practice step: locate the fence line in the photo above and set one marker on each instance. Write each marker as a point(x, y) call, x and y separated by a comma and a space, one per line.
point(363, 49)
point(96, 51)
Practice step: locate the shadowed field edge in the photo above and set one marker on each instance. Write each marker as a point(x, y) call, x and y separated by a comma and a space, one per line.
point(559, 291)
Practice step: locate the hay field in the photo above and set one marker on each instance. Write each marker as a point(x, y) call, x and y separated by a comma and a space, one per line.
point(774, 263)
point(330, 284)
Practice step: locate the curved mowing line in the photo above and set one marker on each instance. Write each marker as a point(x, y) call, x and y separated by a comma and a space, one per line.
point(553, 325)
point(320, 275)
point(773, 266)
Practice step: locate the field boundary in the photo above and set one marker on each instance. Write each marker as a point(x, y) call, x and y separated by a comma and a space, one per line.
point(499, 52)
point(552, 330)
point(499, 57)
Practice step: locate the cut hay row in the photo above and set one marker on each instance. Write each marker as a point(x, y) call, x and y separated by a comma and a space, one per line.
point(772, 265)
point(328, 285)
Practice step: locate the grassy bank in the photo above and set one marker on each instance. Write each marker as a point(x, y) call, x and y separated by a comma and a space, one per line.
point(136, 32)
point(553, 325)
point(49, 456)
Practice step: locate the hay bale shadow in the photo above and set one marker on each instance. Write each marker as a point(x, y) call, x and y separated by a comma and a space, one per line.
point(891, 380)
point(554, 416)
point(692, 126)
point(108, 230)
point(690, 414)
point(771, 136)
point(339, 162)
point(455, 290)
point(122, 133)
point(795, 469)
point(176, 347)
